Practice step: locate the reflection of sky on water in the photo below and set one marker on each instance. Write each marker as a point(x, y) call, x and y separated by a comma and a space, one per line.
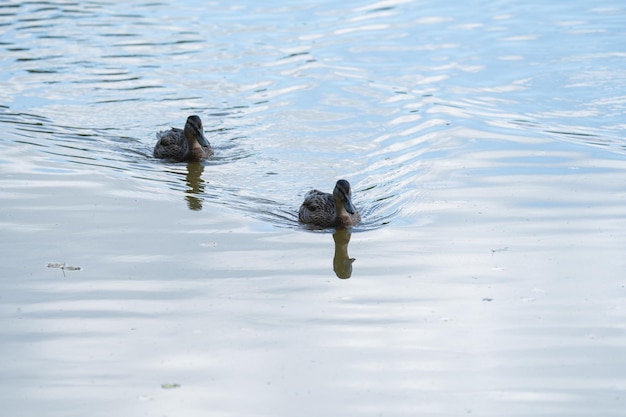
point(485, 146)
point(509, 298)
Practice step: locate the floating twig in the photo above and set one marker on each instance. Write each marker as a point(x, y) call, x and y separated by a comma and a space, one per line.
point(63, 267)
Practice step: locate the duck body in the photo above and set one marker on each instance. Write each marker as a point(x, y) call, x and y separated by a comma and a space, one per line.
point(329, 210)
point(188, 144)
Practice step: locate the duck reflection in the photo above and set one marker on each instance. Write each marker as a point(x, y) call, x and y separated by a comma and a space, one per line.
point(195, 185)
point(342, 263)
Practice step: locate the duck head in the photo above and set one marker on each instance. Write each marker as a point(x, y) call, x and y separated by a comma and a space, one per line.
point(194, 131)
point(343, 194)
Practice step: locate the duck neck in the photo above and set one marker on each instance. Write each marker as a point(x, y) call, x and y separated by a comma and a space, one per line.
point(342, 216)
point(194, 150)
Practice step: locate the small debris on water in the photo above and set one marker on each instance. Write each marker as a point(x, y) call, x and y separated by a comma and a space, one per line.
point(170, 386)
point(63, 267)
point(487, 299)
point(504, 249)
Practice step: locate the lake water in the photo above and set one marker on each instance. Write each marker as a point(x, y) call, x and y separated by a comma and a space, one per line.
point(485, 145)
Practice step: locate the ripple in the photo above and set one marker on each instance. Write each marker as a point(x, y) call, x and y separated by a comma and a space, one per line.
point(370, 95)
point(463, 131)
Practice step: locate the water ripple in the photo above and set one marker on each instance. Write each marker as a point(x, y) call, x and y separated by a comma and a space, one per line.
point(376, 94)
point(464, 131)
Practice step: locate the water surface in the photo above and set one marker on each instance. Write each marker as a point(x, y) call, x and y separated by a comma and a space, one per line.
point(485, 146)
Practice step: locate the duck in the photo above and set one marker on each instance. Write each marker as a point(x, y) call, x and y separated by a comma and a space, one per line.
point(188, 144)
point(329, 210)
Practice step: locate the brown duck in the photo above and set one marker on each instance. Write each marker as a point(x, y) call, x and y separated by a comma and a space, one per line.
point(329, 210)
point(188, 144)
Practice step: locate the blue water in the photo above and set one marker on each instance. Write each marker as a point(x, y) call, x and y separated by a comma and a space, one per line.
point(485, 145)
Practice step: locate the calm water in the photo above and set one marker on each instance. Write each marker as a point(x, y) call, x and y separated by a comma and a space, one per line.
point(485, 145)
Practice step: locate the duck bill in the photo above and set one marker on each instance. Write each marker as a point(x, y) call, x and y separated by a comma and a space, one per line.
point(202, 140)
point(347, 203)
